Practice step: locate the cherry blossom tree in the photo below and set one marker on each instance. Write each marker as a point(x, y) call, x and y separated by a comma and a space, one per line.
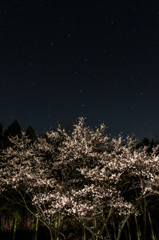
point(86, 148)
point(88, 177)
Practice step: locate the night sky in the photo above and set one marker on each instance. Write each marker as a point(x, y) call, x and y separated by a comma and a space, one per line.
point(60, 60)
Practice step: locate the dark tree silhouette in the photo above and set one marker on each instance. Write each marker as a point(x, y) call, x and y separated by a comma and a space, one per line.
point(31, 133)
point(1, 130)
point(146, 141)
point(13, 130)
point(1, 135)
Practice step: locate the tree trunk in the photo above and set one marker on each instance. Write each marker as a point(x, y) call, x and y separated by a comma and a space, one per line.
point(114, 230)
point(11, 229)
point(129, 230)
point(152, 232)
point(137, 229)
point(84, 232)
point(106, 223)
point(144, 218)
point(51, 236)
point(36, 228)
point(122, 226)
point(15, 226)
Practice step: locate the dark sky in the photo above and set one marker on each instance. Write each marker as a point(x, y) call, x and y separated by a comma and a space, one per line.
point(60, 60)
